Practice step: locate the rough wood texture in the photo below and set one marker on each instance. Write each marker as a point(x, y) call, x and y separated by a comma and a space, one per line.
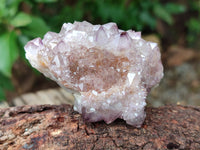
point(51, 96)
point(4, 104)
point(60, 128)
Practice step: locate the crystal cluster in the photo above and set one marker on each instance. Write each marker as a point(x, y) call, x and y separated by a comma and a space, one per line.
point(108, 70)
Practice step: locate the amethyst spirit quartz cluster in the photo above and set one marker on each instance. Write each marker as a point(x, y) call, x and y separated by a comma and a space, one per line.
point(109, 71)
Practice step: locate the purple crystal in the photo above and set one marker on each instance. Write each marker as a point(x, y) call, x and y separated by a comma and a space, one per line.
point(109, 71)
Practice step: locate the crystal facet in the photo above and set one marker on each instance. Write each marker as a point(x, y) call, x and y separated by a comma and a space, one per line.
point(109, 71)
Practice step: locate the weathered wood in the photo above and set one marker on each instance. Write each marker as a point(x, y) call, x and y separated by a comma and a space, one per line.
point(51, 96)
point(18, 101)
point(67, 95)
point(4, 104)
point(60, 128)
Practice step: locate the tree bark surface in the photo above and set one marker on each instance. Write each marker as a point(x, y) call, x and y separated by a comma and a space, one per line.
point(58, 127)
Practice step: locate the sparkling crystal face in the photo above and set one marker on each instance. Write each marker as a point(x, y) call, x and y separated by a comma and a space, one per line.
point(109, 71)
point(95, 70)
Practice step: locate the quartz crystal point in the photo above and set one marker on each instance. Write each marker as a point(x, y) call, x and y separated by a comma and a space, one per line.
point(108, 70)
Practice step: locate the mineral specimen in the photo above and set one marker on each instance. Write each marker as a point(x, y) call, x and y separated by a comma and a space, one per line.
point(109, 71)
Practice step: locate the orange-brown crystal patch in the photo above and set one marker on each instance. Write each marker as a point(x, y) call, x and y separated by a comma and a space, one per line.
point(98, 70)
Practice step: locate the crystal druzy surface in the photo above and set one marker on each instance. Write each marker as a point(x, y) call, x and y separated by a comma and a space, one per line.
point(108, 70)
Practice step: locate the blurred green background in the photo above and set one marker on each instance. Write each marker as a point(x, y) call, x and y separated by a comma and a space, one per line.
point(173, 22)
